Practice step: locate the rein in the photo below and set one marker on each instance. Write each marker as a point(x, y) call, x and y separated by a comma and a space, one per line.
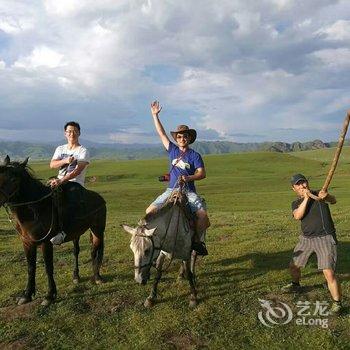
point(154, 248)
point(8, 206)
point(29, 202)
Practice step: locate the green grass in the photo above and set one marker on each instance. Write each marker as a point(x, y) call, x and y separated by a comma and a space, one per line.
point(250, 244)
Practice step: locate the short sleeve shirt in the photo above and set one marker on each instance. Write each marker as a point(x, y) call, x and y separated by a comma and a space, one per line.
point(317, 220)
point(187, 165)
point(80, 153)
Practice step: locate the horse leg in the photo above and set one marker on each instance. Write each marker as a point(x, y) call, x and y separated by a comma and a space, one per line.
point(97, 256)
point(181, 274)
point(193, 263)
point(47, 250)
point(149, 302)
point(30, 253)
point(76, 250)
point(190, 277)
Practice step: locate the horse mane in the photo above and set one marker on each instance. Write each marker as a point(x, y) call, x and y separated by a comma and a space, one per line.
point(30, 182)
point(164, 208)
point(156, 214)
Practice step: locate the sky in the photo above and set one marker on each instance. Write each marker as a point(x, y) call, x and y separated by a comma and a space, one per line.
point(235, 70)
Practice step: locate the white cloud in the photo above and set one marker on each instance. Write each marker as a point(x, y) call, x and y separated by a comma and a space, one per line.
point(340, 30)
point(15, 26)
point(63, 7)
point(236, 65)
point(40, 57)
point(146, 7)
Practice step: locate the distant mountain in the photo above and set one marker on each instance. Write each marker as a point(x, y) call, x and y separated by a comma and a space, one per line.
point(233, 147)
point(20, 150)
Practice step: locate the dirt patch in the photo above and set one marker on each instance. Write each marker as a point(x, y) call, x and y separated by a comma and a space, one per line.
point(13, 312)
point(16, 345)
point(122, 304)
point(224, 237)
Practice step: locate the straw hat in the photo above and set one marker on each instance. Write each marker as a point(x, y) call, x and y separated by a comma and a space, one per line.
point(184, 129)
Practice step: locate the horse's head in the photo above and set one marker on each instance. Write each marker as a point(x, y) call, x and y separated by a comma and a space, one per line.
point(10, 178)
point(143, 244)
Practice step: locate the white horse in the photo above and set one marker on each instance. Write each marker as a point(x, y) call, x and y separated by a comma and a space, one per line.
point(165, 233)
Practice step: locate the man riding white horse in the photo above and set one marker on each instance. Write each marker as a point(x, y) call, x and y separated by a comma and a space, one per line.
point(187, 165)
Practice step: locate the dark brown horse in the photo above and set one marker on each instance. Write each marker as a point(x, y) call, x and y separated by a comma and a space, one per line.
point(33, 207)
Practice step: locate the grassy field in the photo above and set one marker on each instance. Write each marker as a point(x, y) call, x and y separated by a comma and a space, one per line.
point(250, 244)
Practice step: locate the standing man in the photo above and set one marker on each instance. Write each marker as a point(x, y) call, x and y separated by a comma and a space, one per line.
point(318, 236)
point(187, 164)
point(72, 160)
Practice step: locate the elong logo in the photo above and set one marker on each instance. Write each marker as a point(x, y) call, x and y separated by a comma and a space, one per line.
point(278, 313)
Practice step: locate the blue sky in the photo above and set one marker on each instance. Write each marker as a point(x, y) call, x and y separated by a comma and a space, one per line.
point(269, 70)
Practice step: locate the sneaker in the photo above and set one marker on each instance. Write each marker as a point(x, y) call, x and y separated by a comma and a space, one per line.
point(291, 288)
point(336, 308)
point(200, 248)
point(58, 239)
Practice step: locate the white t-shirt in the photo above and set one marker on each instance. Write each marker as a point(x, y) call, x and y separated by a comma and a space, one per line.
point(80, 153)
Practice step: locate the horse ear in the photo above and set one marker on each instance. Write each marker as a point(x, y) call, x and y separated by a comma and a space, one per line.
point(24, 163)
point(7, 160)
point(129, 229)
point(150, 232)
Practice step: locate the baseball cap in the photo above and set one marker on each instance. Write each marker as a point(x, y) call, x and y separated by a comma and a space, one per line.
point(296, 178)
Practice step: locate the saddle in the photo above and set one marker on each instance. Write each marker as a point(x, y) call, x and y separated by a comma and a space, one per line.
point(178, 196)
point(74, 202)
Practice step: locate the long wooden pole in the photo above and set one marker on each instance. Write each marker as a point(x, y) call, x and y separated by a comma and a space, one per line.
point(336, 155)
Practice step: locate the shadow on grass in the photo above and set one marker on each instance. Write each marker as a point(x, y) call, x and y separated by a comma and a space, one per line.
point(266, 262)
point(227, 272)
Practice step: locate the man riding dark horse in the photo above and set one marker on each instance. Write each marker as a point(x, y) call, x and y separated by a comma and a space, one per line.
point(31, 206)
point(72, 160)
point(188, 166)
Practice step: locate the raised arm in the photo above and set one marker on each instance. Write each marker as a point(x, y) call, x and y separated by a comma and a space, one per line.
point(155, 110)
point(327, 197)
point(300, 211)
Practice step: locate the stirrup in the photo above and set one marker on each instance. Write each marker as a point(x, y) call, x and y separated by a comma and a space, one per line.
point(59, 238)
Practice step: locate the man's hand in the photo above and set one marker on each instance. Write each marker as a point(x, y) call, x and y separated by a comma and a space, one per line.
point(184, 178)
point(69, 160)
point(322, 194)
point(55, 183)
point(306, 193)
point(155, 108)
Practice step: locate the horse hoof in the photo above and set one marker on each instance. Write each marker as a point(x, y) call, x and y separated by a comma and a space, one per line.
point(46, 302)
point(23, 300)
point(148, 303)
point(193, 304)
point(99, 280)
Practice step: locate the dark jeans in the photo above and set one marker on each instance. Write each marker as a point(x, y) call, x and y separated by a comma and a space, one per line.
point(69, 202)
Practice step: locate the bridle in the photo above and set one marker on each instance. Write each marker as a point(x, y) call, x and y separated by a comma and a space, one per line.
point(13, 189)
point(10, 205)
point(154, 248)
